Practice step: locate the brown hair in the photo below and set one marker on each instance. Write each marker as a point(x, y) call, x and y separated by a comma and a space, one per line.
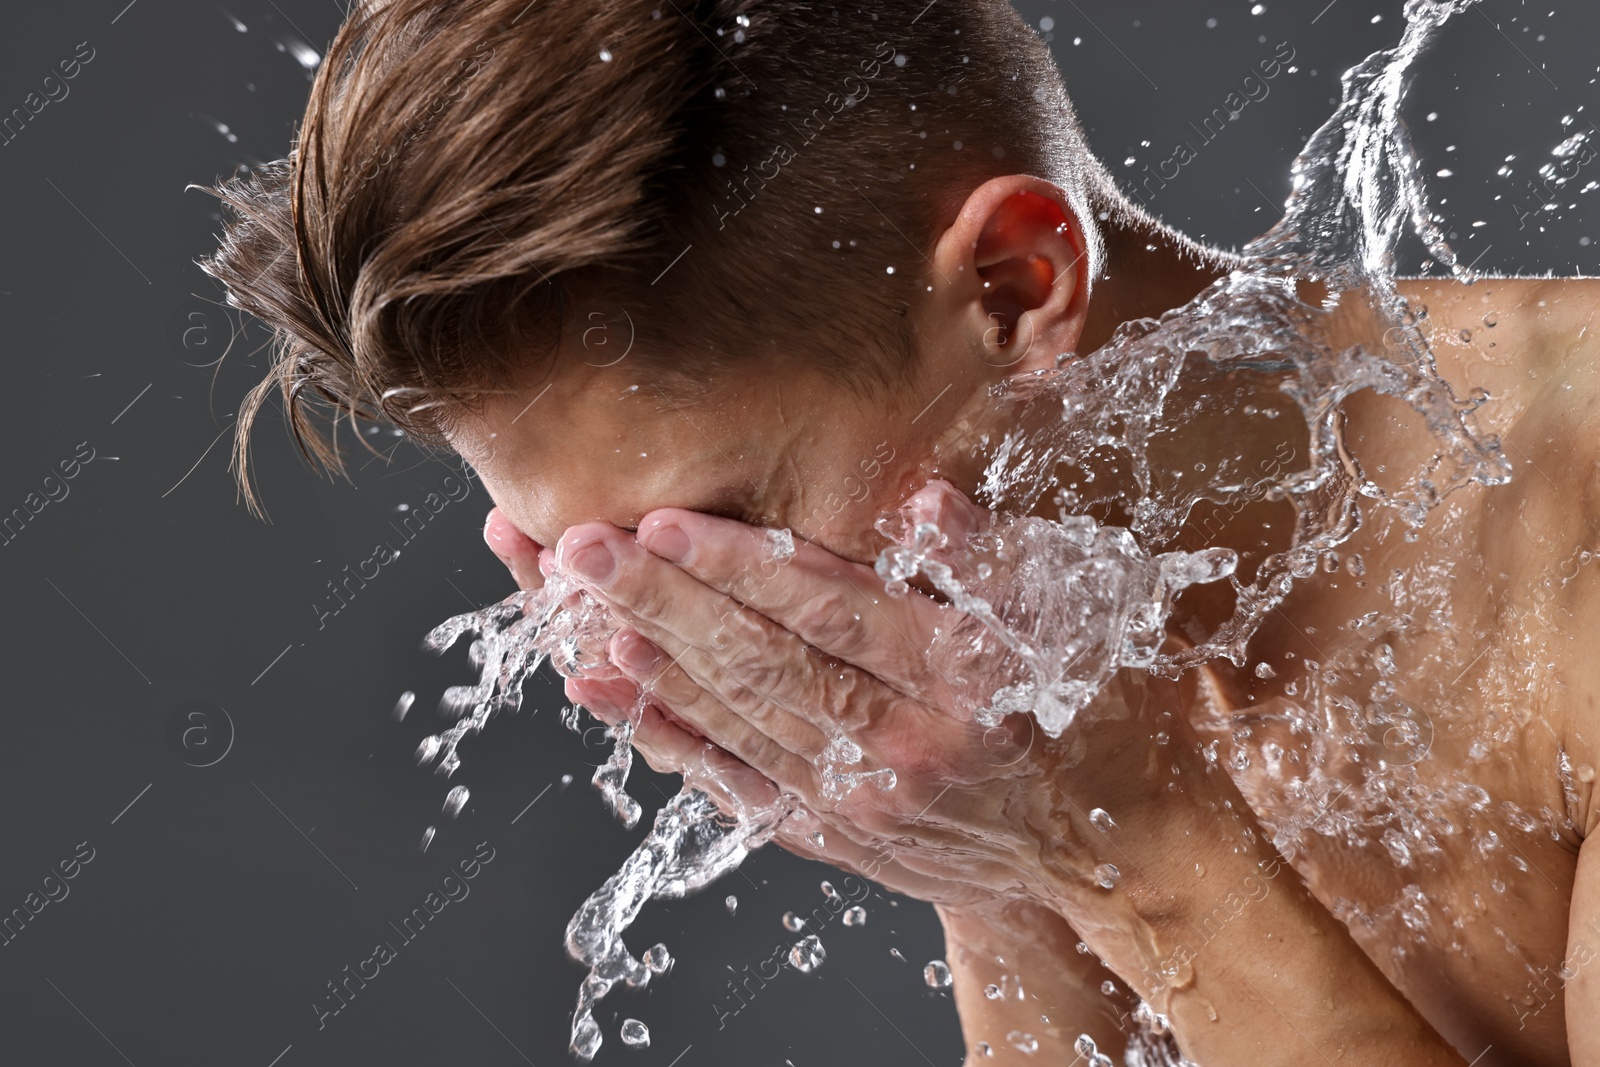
point(731, 172)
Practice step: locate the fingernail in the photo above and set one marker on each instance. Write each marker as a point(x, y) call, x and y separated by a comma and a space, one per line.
point(502, 535)
point(636, 654)
point(492, 538)
point(594, 562)
point(669, 542)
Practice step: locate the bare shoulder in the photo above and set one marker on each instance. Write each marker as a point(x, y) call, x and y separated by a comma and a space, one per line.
point(1533, 346)
point(1532, 310)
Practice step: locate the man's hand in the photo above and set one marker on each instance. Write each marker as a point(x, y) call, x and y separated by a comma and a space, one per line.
point(754, 667)
point(807, 673)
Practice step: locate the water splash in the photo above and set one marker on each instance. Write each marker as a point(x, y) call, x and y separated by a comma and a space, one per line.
point(692, 843)
point(1080, 600)
point(693, 840)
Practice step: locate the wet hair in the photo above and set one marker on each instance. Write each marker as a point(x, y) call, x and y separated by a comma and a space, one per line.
point(741, 181)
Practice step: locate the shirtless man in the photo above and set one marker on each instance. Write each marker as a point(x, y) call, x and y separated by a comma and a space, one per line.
point(863, 307)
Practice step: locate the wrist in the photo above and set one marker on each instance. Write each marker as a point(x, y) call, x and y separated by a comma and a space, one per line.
point(1018, 976)
point(1137, 890)
point(1213, 930)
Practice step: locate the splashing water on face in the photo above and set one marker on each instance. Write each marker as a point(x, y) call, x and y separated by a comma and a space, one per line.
point(1080, 600)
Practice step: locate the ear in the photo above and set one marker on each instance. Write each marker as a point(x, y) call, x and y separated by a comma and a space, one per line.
point(1011, 274)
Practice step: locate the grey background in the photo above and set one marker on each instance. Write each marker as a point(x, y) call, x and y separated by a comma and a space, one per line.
point(221, 899)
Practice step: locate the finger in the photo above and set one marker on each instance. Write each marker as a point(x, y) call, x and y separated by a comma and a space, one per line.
point(519, 552)
point(613, 699)
point(666, 746)
point(833, 604)
point(671, 746)
point(742, 735)
point(752, 666)
point(610, 700)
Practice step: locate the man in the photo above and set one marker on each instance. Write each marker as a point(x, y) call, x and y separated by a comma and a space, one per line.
point(665, 276)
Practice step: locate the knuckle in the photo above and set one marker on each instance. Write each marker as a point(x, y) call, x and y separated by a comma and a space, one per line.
point(753, 669)
point(831, 622)
point(738, 696)
point(767, 753)
point(915, 756)
point(650, 602)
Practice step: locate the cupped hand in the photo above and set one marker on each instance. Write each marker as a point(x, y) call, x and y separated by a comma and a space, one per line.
point(808, 678)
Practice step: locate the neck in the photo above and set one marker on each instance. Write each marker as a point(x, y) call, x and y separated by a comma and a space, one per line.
point(1150, 269)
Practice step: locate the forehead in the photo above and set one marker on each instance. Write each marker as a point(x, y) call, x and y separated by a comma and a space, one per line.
point(589, 444)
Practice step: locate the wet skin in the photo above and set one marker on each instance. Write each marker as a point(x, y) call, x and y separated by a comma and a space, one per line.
point(752, 667)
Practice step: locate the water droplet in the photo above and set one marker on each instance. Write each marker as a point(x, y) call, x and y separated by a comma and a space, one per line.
point(1108, 987)
point(455, 800)
point(428, 749)
point(779, 544)
point(303, 53)
point(856, 916)
point(793, 923)
point(816, 839)
point(1264, 670)
point(829, 892)
point(1102, 820)
point(427, 839)
point(658, 959)
point(635, 1034)
point(937, 975)
point(1106, 875)
point(403, 705)
point(807, 954)
point(605, 57)
point(1021, 1040)
point(993, 992)
point(586, 1038)
point(896, 954)
point(731, 903)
